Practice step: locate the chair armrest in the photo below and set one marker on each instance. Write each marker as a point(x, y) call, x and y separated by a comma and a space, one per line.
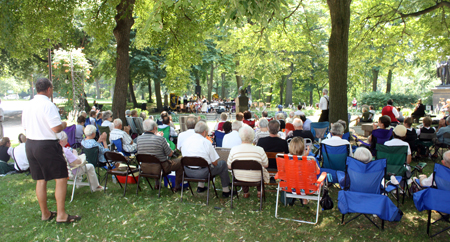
point(79, 165)
point(322, 177)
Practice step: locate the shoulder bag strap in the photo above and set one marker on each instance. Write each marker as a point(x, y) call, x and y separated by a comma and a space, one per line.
point(14, 158)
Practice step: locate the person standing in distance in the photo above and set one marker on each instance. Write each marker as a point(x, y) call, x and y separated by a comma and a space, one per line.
point(324, 105)
point(42, 122)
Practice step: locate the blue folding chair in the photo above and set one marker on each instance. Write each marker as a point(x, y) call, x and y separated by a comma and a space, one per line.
point(118, 143)
point(363, 192)
point(218, 136)
point(333, 159)
point(437, 197)
point(319, 130)
point(379, 136)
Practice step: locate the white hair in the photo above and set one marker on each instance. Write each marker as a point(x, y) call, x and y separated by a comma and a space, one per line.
point(280, 116)
point(325, 91)
point(362, 154)
point(263, 123)
point(62, 135)
point(291, 114)
point(236, 125)
point(297, 123)
point(127, 112)
point(149, 125)
point(89, 130)
point(201, 127)
point(117, 122)
point(447, 120)
point(246, 134)
point(107, 115)
point(337, 129)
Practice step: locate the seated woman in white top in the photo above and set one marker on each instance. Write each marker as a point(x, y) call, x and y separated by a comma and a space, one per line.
point(73, 159)
point(107, 120)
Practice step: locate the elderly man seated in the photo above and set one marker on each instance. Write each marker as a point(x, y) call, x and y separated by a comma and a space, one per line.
point(246, 151)
point(19, 155)
point(89, 142)
point(198, 146)
point(73, 159)
point(190, 124)
point(398, 140)
point(232, 139)
point(151, 142)
point(424, 181)
point(118, 133)
point(298, 130)
point(337, 130)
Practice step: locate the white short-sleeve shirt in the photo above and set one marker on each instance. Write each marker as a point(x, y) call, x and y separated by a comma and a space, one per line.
point(398, 142)
point(39, 117)
point(197, 145)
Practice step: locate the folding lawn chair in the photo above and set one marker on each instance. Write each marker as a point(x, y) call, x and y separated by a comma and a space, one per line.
point(92, 157)
point(70, 131)
point(319, 130)
point(166, 132)
point(363, 192)
point(248, 165)
point(436, 197)
point(119, 171)
point(333, 159)
point(151, 160)
point(298, 179)
point(73, 178)
point(218, 137)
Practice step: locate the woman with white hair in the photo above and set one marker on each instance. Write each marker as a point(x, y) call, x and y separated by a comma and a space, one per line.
point(90, 142)
point(107, 120)
point(73, 159)
point(263, 130)
point(247, 151)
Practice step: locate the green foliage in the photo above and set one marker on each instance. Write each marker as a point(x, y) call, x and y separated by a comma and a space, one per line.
point(378, 99)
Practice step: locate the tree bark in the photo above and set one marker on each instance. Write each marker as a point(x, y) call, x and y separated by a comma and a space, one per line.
point(158, 94)
point(289, 83)
point(210, 81)
point(124, 22)
point(375, 71)
point(269, 98)
point(238, 78)
point(97, 86)
point(338, 59)
point(132, 94)
point(223, 85)
point(389, 81)
point(283, 79)
point(150, 90)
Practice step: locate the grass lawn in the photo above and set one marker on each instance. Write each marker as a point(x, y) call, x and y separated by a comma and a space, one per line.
point(112, 217)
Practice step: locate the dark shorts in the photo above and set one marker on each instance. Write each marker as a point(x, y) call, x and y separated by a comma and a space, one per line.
point(46, 160)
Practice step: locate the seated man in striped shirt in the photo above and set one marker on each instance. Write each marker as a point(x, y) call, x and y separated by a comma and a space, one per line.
point(153, 142)
point(247, 151)
point(118, 133)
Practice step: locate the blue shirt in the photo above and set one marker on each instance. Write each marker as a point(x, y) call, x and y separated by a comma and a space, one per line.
point(90, 143)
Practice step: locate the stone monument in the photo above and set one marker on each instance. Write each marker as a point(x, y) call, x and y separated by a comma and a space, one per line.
point(442, 92)
point(242, 105)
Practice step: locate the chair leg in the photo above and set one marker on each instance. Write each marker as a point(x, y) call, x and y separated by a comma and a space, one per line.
point(106, 181)
point(214, 186)
point(207, 194)
point(276, 205)
point(149, 183)
point(160, 185)
point(126, 182)
point(182, 187)
point(343, 216)
point(170, 185)
point(232, 192)
point(429, 223)
point(137, 188)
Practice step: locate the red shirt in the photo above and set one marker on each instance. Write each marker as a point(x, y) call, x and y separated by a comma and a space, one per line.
point(251, 123)
point(387, 110)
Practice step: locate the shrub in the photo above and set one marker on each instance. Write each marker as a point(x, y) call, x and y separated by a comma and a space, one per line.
point(379, 100)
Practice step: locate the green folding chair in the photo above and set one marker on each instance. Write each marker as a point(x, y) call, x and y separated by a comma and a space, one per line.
point(166, 132)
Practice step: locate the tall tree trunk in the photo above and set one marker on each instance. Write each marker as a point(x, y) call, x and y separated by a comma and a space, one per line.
point(238, 78)
point(197, 81)
point(269, 97)
point(149, 90)
point(97, 87)
point(210, 81)
point(132, 94)
point(289, 83)
point(375, 71)
point(32, 88)
point(124, 22)
point(389, 81)
point(283, 80)
point(158, 94)
point(311, 98)
point(338, 59)
point(223, 85)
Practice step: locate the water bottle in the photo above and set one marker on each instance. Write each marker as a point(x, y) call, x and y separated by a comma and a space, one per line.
point(114, 180)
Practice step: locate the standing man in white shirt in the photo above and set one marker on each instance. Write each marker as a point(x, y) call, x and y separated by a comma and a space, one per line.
point(42, 122)
point(324, 105)
point(232, 139)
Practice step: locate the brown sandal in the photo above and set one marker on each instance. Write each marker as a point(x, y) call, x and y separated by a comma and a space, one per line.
point(70, 219)
point(52, 215)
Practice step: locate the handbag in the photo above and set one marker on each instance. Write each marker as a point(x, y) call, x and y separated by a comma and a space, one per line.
point(326, 203)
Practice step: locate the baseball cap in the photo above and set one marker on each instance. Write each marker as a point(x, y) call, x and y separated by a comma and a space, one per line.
point(280, 106)
point(400, 130)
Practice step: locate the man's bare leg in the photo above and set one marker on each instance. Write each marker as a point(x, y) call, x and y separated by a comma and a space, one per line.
point(41, 194)
point(60, 195)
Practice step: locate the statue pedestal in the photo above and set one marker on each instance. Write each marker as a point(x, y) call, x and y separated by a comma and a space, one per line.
point(440, 94)
point(243, 104)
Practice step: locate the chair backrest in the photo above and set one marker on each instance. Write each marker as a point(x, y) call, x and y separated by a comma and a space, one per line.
point(297, 175)
point(218, 136)
point(289, 127)
point(334, 157)
point(427, 136)
point(223, 153)
point(92, 155)
point(194, 161)
point(382, 135)
point(365, 177)
point(106, 130)
point(246, 165)
point(115, 156)
point(70, 131)
point(166, 132)
point(118, 143)
point(138, 122)
point(441, 177)
point(147, 158)
point(319, 129)
point(395, 156)
point(445, 137)
point(346, 136)
point(132, 125)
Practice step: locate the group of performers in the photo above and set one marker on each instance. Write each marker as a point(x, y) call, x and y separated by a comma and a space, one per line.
point(200, 104)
